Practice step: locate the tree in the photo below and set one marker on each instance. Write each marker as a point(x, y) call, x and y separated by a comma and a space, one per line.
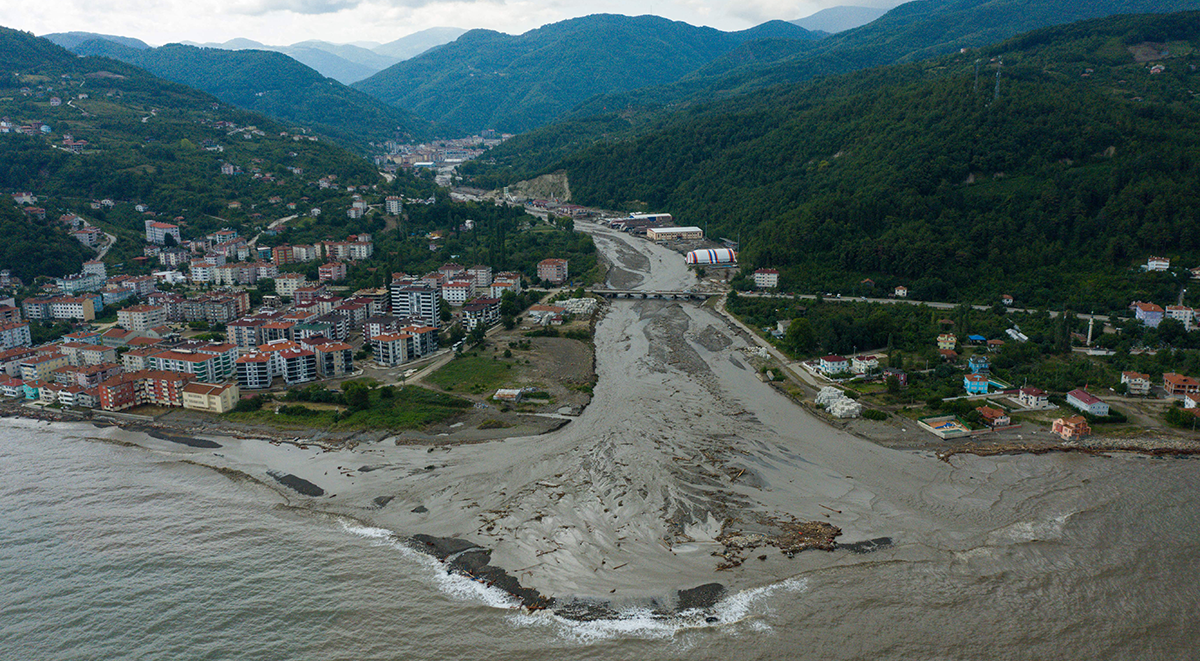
point(358, 396)
point(799, 337)
point(893, 384)
point(478, 334)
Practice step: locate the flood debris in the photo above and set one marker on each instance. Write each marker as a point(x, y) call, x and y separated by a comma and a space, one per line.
point(790, 536)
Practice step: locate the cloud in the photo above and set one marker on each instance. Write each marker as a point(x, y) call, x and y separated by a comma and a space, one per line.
point(307, 7)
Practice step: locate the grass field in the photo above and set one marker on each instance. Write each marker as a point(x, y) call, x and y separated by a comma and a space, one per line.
point(476, 374)
point(409, 407)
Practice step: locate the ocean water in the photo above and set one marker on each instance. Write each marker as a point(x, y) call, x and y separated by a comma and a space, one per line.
point(112, 552)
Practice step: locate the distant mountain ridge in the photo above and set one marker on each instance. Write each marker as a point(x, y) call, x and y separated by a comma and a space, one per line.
point(273, 84)
point(839, 19)
point(486, 79)
point(346, 63)
point(70, 40)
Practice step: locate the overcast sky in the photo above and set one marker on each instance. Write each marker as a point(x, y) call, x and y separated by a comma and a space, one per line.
point(282, 22)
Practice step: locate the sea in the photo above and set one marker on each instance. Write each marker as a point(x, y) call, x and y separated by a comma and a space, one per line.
point(116, 552)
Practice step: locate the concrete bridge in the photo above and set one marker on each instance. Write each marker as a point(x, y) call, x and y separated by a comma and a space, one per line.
point(650, 293)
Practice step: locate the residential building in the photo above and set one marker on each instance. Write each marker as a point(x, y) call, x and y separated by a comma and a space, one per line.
point(151, 387)
point(1183, 315)
point(900, 292)
point(553, 271)
point(78, 283)
point(979, 364)
point(206, 367)
point(975, 384)
point(86, 376)
point(40, 367)
point(947, 341)
point(1158, 264)
point(901, 376)
point(484, 311)
point(393, 205)
point(14, 334)
point(1072, 428)
point(254, 371)
point(834, 365)
point(298, 365)
point(458, 292)
point(286, 284)
point(766, 278)
point(1086, 402)
point(95, 267)
point(210, 397)
point(157, 232)
point(994, 417)
point(417, 302)
point(1147, 313)
point(864, 364)
point(334, 359)
point(1033, 398)
point(172, 303)
point(86, 353)
point(1006, 299)
point(482, 275)
point(141, 317)
point(331, 271)
point(391, 349)
point(1178, 385)
point(1136, 383)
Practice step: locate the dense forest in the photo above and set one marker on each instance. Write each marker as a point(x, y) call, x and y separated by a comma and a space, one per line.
point(275, 85)
point(32, 247)
point(487, 79)
point(1046, 167)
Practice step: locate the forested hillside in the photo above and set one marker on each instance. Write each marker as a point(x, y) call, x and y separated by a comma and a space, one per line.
point(913, 31)
point(273, 84)
point(1051, 185)
point(487, 79)
point(31, 248)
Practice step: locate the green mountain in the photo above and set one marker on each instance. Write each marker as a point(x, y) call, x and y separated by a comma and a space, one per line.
point(272, 84)
point(1049, 172)
point(487, 79)
point(83, 129)
point(913, 31)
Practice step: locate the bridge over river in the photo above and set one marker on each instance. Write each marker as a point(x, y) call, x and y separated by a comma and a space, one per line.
point(654, 293)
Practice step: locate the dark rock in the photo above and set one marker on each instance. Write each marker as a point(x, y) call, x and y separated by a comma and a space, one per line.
point(868, 546)
point(381, 501)
point(703, 596)
point(420, 509)
point(297, 484)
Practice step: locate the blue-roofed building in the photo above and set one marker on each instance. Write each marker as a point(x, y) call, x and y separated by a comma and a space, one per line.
point(976, 339)
point(979, 365)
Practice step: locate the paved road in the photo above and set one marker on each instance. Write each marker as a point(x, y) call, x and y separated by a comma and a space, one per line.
point(907, 301)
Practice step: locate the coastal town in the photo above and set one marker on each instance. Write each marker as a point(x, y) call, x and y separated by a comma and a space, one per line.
point(187, 335)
